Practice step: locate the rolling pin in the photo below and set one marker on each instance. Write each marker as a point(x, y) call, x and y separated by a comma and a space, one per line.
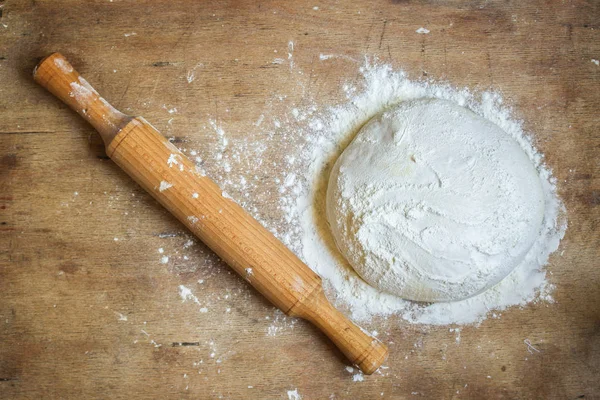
point(198, 202)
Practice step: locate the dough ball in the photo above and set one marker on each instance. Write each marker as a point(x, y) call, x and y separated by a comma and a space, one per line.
point(431, 202)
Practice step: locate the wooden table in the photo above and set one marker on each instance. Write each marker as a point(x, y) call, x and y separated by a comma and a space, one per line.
point(89, 310)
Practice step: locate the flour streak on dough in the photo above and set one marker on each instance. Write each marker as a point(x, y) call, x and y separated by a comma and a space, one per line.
point(432, 202)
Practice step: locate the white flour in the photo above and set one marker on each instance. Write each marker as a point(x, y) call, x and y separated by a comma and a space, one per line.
point(327, 136)
point(294, 395)
point(308, 140)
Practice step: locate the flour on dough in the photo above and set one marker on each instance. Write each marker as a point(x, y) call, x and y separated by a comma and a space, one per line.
point(432, 202)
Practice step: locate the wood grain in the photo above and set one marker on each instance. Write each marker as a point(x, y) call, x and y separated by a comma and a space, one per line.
point(209, 213)
point(65, 281)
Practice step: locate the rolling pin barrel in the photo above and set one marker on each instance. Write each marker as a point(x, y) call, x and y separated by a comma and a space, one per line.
point(181, 187)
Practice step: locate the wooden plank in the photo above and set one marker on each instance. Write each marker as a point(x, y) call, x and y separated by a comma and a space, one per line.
point(66, 284)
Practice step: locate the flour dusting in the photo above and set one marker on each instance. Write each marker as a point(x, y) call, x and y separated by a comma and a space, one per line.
point(65, 67)
point(308, 138)
point(381, 88)
point(294, 395)
point(164, 185)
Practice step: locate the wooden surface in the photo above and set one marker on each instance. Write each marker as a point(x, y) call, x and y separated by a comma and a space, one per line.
point(85, 315)
point(210, 213)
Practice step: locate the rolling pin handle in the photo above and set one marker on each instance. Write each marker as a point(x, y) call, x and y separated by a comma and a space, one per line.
point(362, 349)
point(58, 76)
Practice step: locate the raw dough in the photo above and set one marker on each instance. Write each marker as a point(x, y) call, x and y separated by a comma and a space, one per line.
point(432, 202)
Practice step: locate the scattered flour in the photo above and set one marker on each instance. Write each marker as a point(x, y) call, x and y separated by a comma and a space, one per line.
point(173, 160)
point(164, 185)
point(122, 317)
point(359, 377)
point(279, 323)
point(80, 92)
point(328, 132)
point(64, 66)
point(309, 139)
point(186, 294)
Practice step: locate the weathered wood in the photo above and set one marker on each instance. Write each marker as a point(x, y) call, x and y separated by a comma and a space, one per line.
point(208, 212)
point(63, 278)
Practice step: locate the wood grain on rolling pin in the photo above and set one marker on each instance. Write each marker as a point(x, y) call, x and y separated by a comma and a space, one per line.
point(198, 202)
point(252, 251)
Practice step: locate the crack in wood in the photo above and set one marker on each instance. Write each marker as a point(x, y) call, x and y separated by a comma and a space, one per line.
point(162, 63)
point(25, 132)
point(382, 33)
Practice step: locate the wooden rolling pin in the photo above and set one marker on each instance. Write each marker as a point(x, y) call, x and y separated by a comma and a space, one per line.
point(172, 179)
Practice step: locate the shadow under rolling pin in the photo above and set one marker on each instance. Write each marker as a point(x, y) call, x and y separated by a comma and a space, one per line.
point(243, 243)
